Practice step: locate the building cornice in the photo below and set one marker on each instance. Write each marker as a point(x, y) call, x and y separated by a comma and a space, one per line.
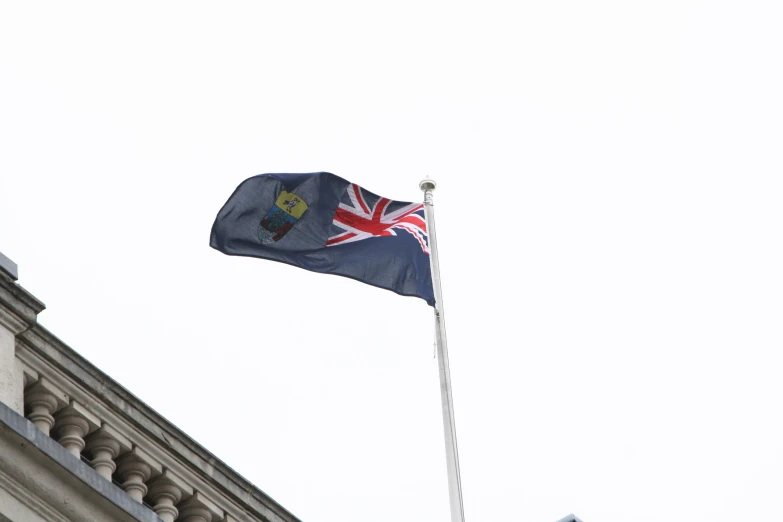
point(45, 354)
point(18, 307)
point(17, 430)
point(58, 379)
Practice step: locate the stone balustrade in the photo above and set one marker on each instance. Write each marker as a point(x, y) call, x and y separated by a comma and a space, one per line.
point(124, 441)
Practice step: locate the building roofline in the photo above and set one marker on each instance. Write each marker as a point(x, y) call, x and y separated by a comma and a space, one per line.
point(146, 419)
point(19, 309)
point(27, 431)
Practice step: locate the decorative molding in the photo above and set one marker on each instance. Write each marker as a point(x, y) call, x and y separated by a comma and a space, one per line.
point(18, 301)
point(55, 377)
point(12, 322)
point(23, 495)
point(35, 452)
point(42, 352)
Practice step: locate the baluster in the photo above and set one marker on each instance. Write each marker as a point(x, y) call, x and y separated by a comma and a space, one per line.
point(103, 447)
point(43, 399)
point(134, 469)
point(165, 492)
point(72, 424)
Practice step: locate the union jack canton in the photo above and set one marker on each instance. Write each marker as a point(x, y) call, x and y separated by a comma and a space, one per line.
point(362, 214)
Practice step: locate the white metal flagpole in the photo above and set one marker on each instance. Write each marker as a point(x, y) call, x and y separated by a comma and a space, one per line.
point(449, 429)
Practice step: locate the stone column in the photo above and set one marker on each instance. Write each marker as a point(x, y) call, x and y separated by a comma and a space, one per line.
point(72, 424)
point(103, 447)
point(165, 492)
point(42, 399)
point(134, 469)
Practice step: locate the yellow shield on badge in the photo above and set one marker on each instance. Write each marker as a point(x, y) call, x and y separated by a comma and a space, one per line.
point(291, 204)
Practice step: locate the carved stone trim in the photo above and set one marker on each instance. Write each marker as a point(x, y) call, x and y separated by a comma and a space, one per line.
point(30, 500)
point(18, 301)
point(103, 447)
point(72, 424)
point(199, 508)
point(43, 399)
point(165, 492)
point(135, 468)
point(43, 353)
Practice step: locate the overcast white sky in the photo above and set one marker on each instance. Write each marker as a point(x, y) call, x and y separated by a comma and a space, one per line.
point(609, 214)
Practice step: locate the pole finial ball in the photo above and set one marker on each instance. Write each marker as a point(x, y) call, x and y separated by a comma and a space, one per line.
point(427, 184)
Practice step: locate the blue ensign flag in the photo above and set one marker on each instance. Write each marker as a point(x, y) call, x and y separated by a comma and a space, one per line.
point(323, 223)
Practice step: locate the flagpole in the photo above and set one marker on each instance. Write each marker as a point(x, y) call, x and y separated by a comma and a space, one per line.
point(449, 428)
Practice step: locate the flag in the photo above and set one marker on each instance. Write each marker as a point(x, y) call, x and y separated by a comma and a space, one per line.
point(323, 223)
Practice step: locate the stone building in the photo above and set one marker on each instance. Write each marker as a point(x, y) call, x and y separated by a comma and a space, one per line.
point(75, 446)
